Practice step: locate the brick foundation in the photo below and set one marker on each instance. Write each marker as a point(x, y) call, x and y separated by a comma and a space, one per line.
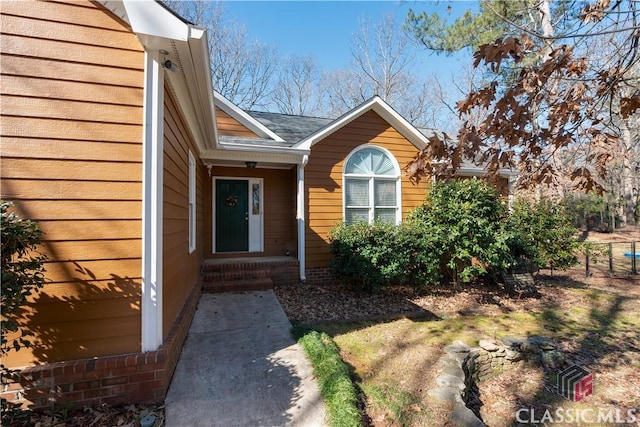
point(319, 276)
point(125, 378)
point(287, 273)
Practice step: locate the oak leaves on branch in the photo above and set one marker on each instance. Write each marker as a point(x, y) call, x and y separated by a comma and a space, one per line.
point(543, 106)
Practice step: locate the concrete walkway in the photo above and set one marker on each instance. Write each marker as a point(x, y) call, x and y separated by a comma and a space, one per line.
point(241, 367)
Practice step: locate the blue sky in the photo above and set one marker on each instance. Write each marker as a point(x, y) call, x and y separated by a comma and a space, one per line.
point(325, 28)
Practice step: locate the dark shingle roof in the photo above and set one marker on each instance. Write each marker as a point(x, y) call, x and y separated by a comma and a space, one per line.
point(290, 128)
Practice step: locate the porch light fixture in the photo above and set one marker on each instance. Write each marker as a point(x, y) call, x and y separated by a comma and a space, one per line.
point(171, 66)
point(251, 165)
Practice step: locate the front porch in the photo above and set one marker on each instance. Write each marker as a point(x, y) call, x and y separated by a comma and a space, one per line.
point(248, 273)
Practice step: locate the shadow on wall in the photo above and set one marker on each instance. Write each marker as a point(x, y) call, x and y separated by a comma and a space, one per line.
point(86, 318)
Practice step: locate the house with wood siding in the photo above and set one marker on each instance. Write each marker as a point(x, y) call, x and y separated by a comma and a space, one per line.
point(151, 188)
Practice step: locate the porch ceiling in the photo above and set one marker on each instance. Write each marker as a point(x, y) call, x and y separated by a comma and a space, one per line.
point(239, 158)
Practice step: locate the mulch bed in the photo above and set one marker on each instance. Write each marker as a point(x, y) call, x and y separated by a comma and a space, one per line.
point(312, 304)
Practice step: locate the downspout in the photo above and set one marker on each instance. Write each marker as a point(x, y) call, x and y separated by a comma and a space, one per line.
point(510, 188)
point(300, 217)
point(152, 185)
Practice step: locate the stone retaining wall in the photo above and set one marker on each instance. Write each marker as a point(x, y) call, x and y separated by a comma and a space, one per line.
point(462, 367)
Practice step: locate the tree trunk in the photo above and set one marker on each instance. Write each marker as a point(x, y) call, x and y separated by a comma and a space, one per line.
point(629, 177)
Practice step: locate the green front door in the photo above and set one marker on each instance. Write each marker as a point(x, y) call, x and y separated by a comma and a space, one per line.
point(232, 215)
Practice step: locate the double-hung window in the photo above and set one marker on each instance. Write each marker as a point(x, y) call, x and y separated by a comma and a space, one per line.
point(371, 186)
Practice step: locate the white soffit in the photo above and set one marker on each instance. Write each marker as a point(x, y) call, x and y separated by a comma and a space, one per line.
point(150, 19)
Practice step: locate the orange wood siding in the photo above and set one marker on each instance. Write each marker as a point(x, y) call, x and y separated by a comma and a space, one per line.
point(228, 126)
point(180, 268)
point(280, 233)
point(323, 178)
point(71, 123)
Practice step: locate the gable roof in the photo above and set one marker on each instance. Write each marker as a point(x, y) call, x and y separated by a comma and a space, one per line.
point(384, 110)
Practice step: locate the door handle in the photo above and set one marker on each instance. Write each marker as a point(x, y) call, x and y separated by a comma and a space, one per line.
point(246, 216)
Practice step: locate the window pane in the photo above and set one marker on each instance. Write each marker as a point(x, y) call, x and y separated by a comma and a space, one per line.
point(356, 192)
point(356, 215)
point(385, 214)
point(385, 192)
point(370, 161)
point(381, 164)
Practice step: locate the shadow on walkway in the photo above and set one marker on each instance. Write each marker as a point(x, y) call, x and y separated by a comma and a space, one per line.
point(241, 367)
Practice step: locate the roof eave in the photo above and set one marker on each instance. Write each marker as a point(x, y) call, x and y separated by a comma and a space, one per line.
point(158, 28)
point(478, 171)
point(263, 149)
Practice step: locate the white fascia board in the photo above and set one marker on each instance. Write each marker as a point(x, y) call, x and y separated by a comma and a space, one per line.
point(413, 134)
point(199, 47)
point(263, 149)
point(148, 18)
point(481, 172)
point(245, 118)
point(379, 106)
point(212, 156)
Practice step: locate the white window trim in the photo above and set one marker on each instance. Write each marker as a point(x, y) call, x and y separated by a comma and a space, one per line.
point(371, 178)
point(192, 203)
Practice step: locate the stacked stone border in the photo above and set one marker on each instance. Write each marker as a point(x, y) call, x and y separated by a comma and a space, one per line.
point(127, 378)
point(463, 367)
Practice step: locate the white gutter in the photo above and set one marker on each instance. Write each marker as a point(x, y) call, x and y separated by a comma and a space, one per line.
point(300, 218)
point(264, 149)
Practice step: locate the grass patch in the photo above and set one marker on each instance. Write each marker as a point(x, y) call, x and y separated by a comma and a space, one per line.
point(400, 407)
point(333, 376)
point(395, 360)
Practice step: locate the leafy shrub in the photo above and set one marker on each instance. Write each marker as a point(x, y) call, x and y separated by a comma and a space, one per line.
point(467, 216)
point(372, 256)
point(546, 233)
point(363, 254)
point(22, 275)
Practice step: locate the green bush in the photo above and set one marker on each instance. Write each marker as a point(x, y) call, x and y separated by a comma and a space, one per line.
point(22, 275)
point(462, 232)
point(369, 257)
point(546, 234)
point(467, 216)
point(363, 254)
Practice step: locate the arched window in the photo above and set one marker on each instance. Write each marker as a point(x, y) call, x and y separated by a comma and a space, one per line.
point(371, 186)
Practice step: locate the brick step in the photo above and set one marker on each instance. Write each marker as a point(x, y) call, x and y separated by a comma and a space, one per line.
point(235, 267)
point(237, 286)
point(250, 273)
point(236, 280)
point(231, 275)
